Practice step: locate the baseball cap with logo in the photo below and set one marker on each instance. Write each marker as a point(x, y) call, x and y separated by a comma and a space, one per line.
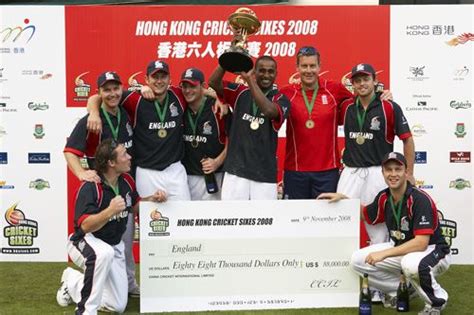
point(156, 66)
point(362, 68)
point(106, 77)
point(192, 76)
point(394, 156)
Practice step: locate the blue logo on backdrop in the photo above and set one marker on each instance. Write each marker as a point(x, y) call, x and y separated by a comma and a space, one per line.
point(3, 158)
point(420, 157)
point(37, 158)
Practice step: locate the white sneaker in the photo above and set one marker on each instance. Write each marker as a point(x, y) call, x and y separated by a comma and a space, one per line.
point(432, 310)
point(135, 292)
point(62, 296)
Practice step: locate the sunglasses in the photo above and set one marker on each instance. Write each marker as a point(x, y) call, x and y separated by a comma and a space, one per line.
point(307, 51)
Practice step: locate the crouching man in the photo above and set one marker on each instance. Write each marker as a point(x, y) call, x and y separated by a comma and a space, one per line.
point(416, 245)
point(101, 213)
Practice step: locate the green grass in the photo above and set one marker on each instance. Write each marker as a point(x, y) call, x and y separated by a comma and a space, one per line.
point(30, 288)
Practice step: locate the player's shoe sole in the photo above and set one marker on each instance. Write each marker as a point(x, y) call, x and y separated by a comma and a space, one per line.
point(62, 296)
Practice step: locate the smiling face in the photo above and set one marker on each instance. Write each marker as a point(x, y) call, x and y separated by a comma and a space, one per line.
point(308, 68)
point(364, 84)
point(395, 174)
point(111, 93)
point(122, 161)
point(192, 93)
point(158, 82)
point(265, 73)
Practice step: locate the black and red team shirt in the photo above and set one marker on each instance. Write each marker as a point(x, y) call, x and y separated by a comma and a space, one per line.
point(251, 154)
point(383, 120)
point(151, 151)
point(84, 143)
point(419, 216)
point(316, 149)
point(92, 198)
point(210, 135)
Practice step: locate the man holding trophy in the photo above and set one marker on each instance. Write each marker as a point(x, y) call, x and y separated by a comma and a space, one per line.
point(259, 111)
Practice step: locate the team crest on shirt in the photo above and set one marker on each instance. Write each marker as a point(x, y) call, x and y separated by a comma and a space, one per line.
point(173, 110)
point(207, 128)
point(375, 123)
point(129, 129)
point(404, 224)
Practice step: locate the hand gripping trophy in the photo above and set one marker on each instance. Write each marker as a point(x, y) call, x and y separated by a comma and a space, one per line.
point(243, 23)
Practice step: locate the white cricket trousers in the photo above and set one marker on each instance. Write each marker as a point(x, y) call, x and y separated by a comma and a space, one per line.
point(173, 180)
point(365, 183)
point(420, 269)
point(239, 188)
point(104, 281)
point(198, 190)
point(127, 239)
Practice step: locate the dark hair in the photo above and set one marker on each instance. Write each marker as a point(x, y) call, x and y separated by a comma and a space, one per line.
point(265, 57)
point(308, 51)
point(105, 152)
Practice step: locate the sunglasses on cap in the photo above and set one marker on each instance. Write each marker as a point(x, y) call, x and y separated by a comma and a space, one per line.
point(307, 51)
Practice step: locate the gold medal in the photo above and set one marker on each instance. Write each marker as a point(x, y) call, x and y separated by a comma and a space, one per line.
point(162, 133)
point(360, 140)
point(254, 125)
point(309, 124)
point(397, 235)
point(194, 143)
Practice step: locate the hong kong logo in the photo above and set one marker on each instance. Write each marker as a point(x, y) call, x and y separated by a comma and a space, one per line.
point(460, 130)
point(158, 224)
point(20, 232)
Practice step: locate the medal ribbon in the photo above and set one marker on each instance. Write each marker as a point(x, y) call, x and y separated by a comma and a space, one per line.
point(114, 188)
point(109, 122)
point(255, 108)
point(397, 210)
point(193, 122)
point(162, 114)
point(361, 118)
point(309, 106)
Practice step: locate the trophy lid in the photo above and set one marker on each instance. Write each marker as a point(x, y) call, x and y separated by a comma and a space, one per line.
point(244, 18)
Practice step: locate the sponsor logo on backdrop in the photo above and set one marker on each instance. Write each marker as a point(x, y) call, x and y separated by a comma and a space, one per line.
point(159, 224)
point(12, 35)
point(39, 184)
point(460, 157)
point(82, 88)
point(461, 39)
point(422, 105)
point(418, 130)
point(460, 130)
point(46, 76)
point(3, 185)
point(460, 104)
point(425, 30)
point(39, 131)
point(461, 73)
point(5, 109)
point(3, 132)
point(3, 157)
point(2, 75)
point(459, 184)
point(20, 232)
point(33, 72)
point(421, 184)
point(420, 157)
point(38, 106)
point(417, 73)
point(133, 84)
point(39, 158)
point(449, 229)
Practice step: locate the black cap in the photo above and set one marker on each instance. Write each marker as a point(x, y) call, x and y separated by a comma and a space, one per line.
point(364, 68)
point(394, 156)
point(156, 66)
point(106, 77)
point(192, 76)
